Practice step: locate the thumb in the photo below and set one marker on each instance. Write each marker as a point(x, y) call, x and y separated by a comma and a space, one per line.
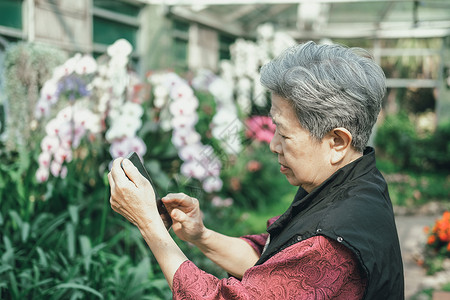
point(132, 172)
point(178, 215)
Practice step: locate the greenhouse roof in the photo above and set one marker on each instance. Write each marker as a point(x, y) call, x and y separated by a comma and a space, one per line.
point(308, 19)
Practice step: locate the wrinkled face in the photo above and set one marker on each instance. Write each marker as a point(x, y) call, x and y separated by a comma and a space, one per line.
point(303, 160)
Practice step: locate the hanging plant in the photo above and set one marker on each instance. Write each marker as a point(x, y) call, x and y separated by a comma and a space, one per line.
point(26, 69)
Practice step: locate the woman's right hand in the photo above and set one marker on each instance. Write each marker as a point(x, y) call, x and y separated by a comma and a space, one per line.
point(187, 217)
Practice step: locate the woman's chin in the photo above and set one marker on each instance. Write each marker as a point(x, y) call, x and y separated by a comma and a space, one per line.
point(292, 180)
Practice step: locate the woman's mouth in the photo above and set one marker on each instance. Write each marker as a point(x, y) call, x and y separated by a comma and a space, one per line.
point(283, 168)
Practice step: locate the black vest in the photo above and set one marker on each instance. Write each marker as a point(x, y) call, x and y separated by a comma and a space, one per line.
point(352, 207)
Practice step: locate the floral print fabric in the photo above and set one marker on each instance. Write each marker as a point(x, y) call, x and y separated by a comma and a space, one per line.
point(316, 268)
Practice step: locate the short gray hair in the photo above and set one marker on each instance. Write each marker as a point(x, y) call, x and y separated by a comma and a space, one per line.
point(329, 86)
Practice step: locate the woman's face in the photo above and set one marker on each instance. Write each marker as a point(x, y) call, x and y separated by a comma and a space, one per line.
point(303, 160)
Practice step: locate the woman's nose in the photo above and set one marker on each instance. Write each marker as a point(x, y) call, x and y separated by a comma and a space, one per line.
point(275, 145)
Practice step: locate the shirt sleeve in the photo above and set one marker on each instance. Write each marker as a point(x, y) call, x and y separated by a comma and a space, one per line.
point(258, 241)
point(317, 268)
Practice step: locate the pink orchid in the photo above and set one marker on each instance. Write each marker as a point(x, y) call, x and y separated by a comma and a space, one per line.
point(212, 184)
point(42, 174)
point(260, 128)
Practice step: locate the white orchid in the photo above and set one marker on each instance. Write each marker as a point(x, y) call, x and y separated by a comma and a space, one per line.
point(120, 48)
point(86, 65)
point(181, 117)
point(108, 97)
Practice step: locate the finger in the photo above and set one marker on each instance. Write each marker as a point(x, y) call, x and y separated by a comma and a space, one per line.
point(114, 205)
point(178, 215)
point(117, 172)
point(176, 196)
point(133, 173)
point(179, 199)
point(112, 184)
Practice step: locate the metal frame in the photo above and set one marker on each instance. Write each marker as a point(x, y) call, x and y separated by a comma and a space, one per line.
point(250, 2)
point(197, 11)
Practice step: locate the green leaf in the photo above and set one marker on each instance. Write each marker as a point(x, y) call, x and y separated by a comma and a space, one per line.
point(24, 159)
point(97, 248)
point(42, 282)
point(86, 247)
point(142, 270)
point(7, 242)
point(158, 176)
point(16, 218)
point(5, 268)
point(42, 257)
point(85, 244)
point(25, 231)
point(49, 228)
point(70, 230)
point(159, 283)
point(13, 285)
point(50, 187)
point(8, 256)
point(74, 214)
point(79, 287)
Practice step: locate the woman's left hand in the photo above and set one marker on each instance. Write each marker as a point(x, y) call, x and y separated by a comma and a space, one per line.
point(132, 195)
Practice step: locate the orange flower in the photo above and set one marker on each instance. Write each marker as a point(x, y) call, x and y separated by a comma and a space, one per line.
point(446, 215)
point(443, 236)
point(426, 229)
point(431, 239)
point(448, 247)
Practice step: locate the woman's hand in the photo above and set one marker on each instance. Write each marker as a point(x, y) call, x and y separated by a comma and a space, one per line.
point(234, 255)
point(133, 196)
point(186, 216)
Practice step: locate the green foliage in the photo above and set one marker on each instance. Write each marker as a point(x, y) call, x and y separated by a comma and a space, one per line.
point(61, 240)
point(435, 148)
point(75, 247)
point(409, 66)
point(207, 109)
point(53, 256)
point(253, 178)
point(423, 295)
point(446, 287)
point(398, 141)
point(414, 189)
point(395, 137)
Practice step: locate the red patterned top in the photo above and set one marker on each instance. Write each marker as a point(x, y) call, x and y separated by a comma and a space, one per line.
point(316, 268)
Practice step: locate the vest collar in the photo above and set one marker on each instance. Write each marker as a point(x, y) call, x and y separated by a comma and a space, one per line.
point(302, 199)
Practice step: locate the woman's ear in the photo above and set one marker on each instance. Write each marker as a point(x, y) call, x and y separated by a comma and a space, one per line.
point(340, 144)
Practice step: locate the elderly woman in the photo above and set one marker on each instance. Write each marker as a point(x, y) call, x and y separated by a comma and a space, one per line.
point(338, 238)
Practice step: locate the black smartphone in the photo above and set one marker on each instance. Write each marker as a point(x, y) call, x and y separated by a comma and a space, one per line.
point(134, 158)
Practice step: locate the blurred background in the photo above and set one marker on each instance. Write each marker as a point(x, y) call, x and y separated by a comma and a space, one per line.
point(83, 82)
